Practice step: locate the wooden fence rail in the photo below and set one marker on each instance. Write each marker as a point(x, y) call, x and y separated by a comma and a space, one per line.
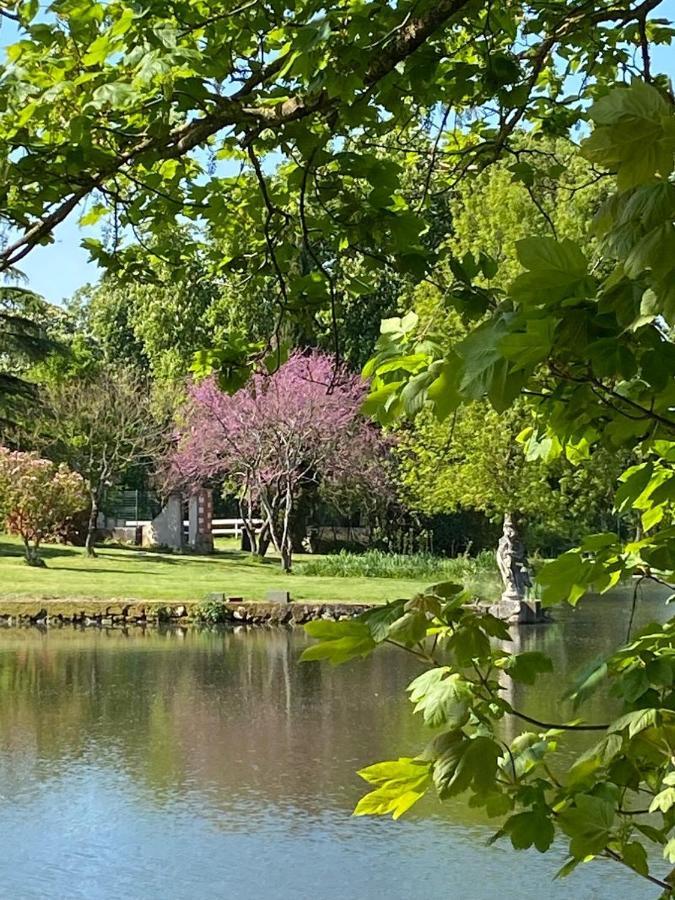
point(219, 527)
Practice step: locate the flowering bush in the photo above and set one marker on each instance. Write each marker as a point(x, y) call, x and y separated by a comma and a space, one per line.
point(37, 497)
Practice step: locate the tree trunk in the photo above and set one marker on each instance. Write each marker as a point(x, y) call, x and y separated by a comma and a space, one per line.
point(91, 525)
point(302, 514)
point(264, 541)
point(271, 529)
point(286, 543)
point(249, 528)
point(286, 556)
point(31, 555)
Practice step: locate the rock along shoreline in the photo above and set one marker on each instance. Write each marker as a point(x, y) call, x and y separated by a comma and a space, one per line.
point(134, 613)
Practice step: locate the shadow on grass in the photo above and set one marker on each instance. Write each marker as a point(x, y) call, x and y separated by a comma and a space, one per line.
point(47, 551)
point(132, 556)
point(98, 571)
point(238, 556)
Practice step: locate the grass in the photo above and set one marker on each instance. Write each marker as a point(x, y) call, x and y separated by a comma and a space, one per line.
point(127, 574)
point(478, 573)
point(376, 564)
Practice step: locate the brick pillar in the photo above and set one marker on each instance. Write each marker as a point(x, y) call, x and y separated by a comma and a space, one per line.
point(200, 518)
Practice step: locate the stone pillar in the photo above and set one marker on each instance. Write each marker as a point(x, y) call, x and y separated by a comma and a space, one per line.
point(166, 529)
point(200, 519)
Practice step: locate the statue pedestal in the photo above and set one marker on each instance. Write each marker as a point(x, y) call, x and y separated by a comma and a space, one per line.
point(517, 611)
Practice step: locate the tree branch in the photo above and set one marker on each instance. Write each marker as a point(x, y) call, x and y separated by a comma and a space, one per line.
point(234, 111)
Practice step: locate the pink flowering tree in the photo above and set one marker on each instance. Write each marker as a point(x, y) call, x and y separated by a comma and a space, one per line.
point(37, 497)
point(276, 436)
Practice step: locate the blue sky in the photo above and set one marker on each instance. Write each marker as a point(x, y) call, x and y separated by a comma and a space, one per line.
point(57, 270)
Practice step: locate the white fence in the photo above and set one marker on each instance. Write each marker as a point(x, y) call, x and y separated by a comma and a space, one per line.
point(219, 527)
point(232, 527)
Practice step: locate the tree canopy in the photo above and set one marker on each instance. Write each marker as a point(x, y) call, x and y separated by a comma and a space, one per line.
point(141, 113)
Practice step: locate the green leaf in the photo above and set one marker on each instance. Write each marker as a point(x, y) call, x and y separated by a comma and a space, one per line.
point(530, 829)
point(469, 643)
point(633, 684)
point(631, 134)
point(401, 783)
point(597, 757)
point(532, 346)
point(410, 628)
point(380, 619)
point(635, 856)
point(567, 869)
point(556, 270)
point(424, 682)
point(669, 851)
point(589, 825)
point(525, 667)
point(443, 392)
point(468, 763)
point(633, 482)
point(115, 94)
point(527, 752)
point(560, 578)
point(594, 542)
point(445, 702)
point(663, 801)
point(340, 641)
point(636, 721)
point(404, 769)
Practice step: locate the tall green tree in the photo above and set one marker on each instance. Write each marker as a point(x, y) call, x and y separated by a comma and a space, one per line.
point(160, 321)
point(475, 461)
point(24, 339)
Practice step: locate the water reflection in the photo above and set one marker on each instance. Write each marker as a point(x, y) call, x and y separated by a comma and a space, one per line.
point(198, 764)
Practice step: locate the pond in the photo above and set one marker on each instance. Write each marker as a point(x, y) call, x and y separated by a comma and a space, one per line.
point(211, 765)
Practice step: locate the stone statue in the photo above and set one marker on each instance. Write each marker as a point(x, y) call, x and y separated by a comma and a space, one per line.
point(513, 567)
point(512, 562)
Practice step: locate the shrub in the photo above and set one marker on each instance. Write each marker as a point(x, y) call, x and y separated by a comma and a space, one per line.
point(210, 611)
point(37, 498)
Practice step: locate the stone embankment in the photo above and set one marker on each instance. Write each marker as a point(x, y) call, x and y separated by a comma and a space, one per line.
point(102, 614)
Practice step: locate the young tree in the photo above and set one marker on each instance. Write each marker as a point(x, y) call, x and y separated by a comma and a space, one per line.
point(100, 426)
point(276, 436)
point(36, 498)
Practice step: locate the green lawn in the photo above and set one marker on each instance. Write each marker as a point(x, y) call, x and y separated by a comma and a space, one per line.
point(118, 574)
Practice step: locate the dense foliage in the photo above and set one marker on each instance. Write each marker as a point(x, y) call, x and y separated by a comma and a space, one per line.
point(475, 461)
point(24, 339)
point(37, 497)
point(591, 353)
point(145, 113)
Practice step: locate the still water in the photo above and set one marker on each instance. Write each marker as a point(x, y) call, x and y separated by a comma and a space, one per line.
point(212, 765)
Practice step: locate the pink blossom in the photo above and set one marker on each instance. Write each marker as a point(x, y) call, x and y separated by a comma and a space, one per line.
point(298, 426)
